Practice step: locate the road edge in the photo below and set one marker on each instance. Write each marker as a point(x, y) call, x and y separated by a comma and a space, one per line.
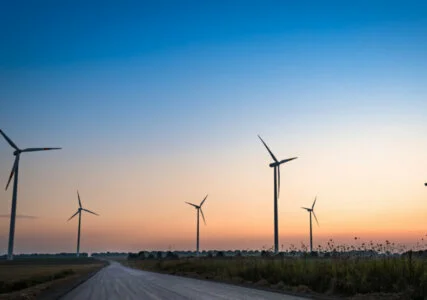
point(60, 293)
point(310, 295)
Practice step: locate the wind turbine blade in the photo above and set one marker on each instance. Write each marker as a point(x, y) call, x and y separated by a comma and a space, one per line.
point(78, 197)
point(39, 149)
point(90, 211)
point(192, 204)
point(73, 216)
point(305, 208)
point(268, 149)
point(278, 185)
point(314, 202)
point(201, 211)
point(9, 140)
point(286, 160)
point(15, 165)
point(203, 201)
point(315, 218)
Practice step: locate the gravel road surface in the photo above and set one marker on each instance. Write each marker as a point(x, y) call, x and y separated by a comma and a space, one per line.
point(118, 282)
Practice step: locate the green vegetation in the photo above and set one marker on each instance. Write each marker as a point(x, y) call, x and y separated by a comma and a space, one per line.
point(404, 275)
point(23, 273)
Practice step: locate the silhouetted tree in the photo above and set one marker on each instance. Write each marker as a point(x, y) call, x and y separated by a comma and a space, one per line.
point(141, 255)
point(132, 256)
point(220, 254)
point(171, 255)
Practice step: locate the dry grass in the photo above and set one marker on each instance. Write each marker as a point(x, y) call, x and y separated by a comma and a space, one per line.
point(393, 276)
point(27, 273)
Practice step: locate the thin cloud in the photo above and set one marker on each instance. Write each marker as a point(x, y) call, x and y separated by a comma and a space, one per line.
point(19, 216)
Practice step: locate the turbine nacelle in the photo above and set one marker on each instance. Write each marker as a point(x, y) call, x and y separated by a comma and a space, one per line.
point(17, 152)
point(276, 164)
point(199, 207)
point(194, 205)
point(80, 209)
point(311, 210)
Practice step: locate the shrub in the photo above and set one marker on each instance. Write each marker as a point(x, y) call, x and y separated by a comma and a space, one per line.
point(171, 255)
point(220, 254)
point(132, 256)
point(141, 255)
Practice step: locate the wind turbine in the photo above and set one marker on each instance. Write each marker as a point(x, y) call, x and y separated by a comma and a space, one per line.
point(15, 170)
point(311, 211)
point(79, 211)
point(276, 165)
point(199, 210)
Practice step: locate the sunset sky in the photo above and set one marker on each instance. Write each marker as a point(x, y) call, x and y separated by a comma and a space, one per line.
point(157, 104)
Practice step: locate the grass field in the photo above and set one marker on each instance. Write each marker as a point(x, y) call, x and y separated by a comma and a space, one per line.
point(24, 273)
point(394, 277)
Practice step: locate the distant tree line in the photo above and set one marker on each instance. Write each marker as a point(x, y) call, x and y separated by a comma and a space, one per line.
point(142, 255)
point(220, 253)
point(109, 254)
point(44, 255)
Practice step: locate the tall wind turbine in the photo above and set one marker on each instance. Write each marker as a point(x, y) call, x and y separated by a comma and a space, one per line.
point(199, 210)
point(311, 211)
point(276, 165)
point(79, 212)
point(14, 171)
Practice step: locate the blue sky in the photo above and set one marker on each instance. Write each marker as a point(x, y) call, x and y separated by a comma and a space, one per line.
point(47, 33)
point(165, 86)
point(76, 59)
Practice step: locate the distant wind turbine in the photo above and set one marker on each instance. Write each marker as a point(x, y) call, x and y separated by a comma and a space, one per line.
point(15, 170)
point(276, 165)
point(425, 184)
point(311, 211)
point(79, 212)
point(199, 210)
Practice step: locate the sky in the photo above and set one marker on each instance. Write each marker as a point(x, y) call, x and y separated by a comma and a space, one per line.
point(159, 102)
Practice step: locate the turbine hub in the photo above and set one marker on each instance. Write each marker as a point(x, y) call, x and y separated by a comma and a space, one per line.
point(16, 152)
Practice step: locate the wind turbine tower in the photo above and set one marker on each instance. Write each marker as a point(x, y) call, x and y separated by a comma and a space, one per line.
point(79, 212)
point(199, 211)
point(311, 211)
point(276, 166)
point(14, 174)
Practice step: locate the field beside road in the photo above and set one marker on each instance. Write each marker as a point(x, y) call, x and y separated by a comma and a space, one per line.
point(352, 278)
point(28, 278)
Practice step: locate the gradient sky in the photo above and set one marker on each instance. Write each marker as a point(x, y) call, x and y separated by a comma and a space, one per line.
point(159, 103)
